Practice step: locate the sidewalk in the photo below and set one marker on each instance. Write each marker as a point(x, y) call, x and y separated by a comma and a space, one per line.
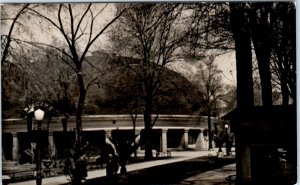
point(176, 157)
point(213, 177)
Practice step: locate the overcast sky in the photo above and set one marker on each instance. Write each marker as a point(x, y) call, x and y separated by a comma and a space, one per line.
point(46, 34)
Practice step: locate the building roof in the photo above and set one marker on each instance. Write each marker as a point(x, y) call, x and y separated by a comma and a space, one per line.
point(260, 112)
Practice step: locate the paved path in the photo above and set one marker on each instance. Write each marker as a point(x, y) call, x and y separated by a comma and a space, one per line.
point(176, 157)
point(213, 177)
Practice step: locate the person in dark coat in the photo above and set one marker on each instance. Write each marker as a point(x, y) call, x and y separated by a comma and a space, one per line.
point(108, 149)
point(80, 171)
point(28, 155)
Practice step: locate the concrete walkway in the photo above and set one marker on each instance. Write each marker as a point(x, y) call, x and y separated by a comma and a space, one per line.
point(213, 177)
point(176, 157)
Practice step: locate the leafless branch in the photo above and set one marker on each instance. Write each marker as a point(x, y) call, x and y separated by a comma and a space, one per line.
point(100, 33)
point(81, 19)
point(8, 41)
point(92, 82)
point(37, 44)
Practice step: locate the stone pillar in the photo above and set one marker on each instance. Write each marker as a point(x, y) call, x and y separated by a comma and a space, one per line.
point(164, 140)
point(200, 143)
point(52, 148)
point(15, 147)
point(185, 139)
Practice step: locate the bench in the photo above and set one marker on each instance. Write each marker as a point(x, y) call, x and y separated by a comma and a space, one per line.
point(20, 175)
point(163, 154)
point(5, 179)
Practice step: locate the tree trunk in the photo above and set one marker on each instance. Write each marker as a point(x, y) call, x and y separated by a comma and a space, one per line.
point(261, 36)
point(148, 122)
point(79, 109)
point(9, 35)
point(64, 123)
point(242, 38)
point(209, 129)
point(285, 93)
point(29, 121)
point(284, 89)
point(134, 124)
point(263, 59)
point(284, 44)
point(245, 98)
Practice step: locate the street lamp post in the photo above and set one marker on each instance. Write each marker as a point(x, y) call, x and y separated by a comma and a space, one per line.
point(39, 116)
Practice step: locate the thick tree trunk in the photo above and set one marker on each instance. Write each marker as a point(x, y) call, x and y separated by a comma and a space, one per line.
point(80, 107)
point(29, 121)
point(261, 36)
point(242, 38)
point(245, 99)
point(263, 59)
point(284, 88)
point(209, 129)
point(148, 122)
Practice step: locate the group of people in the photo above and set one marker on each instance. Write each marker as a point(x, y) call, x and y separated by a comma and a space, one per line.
point(224, 137)
point(114, 154)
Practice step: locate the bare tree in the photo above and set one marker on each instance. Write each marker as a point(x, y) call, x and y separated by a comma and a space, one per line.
point(261, 33)
point(229, 98)
point(152, 33)
point(283, 23)
point(124, 88)
point(77, 25)
point(211, 28)
point(271, 28)
point(209, 82)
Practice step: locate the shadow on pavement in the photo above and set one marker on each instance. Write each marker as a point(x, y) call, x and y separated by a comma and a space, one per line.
point(166, 174)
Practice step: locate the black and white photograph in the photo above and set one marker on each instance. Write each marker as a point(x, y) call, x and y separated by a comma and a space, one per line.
point(149, 93)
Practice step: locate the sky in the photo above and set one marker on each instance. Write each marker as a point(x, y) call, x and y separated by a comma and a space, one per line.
point(44, 34)
point(226, 63)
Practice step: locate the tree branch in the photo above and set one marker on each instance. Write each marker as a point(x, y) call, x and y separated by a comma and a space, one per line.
point(8, 41)
point(82, 17)
point(103, 29)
